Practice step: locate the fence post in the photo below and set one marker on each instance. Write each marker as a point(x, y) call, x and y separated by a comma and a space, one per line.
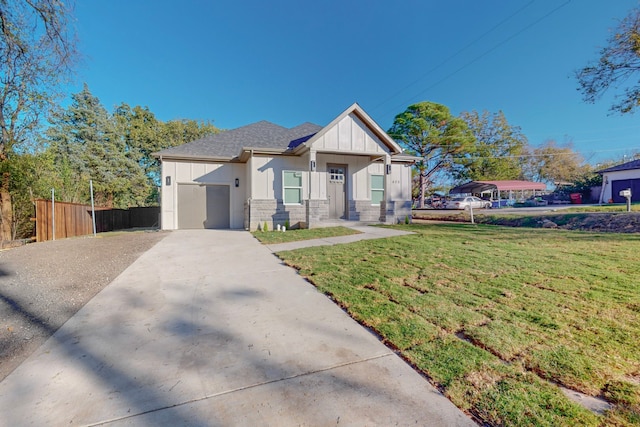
point(53, 214)
point(93, 209)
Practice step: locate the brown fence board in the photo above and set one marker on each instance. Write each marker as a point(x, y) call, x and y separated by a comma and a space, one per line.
point(74, 219)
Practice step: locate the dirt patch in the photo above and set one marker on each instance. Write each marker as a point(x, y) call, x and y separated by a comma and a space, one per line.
point(626, 222)
point(43, 284)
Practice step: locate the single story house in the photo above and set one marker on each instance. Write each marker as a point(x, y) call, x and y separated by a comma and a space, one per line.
point(618, 178)
point(349, 169)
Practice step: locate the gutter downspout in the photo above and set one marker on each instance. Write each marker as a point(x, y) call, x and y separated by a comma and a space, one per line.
point(250, 187)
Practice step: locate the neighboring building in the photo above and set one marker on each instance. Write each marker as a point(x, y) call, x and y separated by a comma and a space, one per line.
point(501, 193)
point(241, 178)
point(618, 178)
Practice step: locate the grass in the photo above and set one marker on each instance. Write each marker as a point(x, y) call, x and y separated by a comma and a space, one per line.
point(497, 316)
point(635, 207)
point(274, 237)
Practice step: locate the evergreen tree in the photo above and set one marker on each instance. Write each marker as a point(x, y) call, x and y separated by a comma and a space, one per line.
point(85, 142)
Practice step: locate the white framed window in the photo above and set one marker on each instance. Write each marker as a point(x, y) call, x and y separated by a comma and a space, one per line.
point(292, 187)
point(336, 175)
point(377, 189)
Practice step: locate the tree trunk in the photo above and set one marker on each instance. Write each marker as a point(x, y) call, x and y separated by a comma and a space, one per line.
point(422, 182)
point(6, 211)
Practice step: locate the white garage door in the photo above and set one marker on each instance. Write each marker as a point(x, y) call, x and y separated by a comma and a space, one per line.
point(205, 206)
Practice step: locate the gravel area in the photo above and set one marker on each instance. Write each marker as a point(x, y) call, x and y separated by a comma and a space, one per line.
point(43, 284)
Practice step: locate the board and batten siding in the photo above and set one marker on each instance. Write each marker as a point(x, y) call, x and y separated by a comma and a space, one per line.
point(400, 182)
point(267, 175)
point(197, 173)
point(359, 171)
point(350, 135)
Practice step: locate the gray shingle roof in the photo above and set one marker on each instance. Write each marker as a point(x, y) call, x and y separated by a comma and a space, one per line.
point(228, 144)
point(634, 164)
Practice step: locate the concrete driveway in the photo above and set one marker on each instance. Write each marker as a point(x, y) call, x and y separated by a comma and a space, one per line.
point(208, 328)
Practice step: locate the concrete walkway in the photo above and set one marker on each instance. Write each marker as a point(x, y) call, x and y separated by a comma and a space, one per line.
point(366, 233)
point(208, 328)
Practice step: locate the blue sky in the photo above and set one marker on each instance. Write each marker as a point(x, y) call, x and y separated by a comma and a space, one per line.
point(238, 62)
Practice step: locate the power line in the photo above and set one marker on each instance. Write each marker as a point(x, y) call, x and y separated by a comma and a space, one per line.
point(483, 35)
point(476, 59)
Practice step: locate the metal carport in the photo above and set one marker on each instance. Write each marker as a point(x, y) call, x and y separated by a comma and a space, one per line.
point(475, 187)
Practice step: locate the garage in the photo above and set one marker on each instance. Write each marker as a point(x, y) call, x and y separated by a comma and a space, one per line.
point(623, 184)
point(618, 178)
point(203, 206)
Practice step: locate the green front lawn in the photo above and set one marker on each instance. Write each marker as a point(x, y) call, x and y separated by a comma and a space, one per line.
point(274, 237)
point(497, 316)
point(635, 207)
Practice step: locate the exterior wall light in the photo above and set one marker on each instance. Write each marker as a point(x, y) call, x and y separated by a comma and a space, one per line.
point(237, 182)
point(167, 181)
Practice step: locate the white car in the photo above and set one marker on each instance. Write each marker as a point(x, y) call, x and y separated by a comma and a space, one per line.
point(467, 203)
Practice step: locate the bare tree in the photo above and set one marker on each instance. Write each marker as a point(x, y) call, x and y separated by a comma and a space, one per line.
point(617, 67)
point(37, 55)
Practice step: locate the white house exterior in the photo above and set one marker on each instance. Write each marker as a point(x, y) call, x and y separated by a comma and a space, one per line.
point(620, 177)
point(241, 178)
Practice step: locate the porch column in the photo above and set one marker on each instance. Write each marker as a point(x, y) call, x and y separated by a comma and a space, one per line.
point(310, 214)
point(387, 207)
point(313, 176)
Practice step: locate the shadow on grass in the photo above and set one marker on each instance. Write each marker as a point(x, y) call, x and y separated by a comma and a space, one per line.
point(177, 354)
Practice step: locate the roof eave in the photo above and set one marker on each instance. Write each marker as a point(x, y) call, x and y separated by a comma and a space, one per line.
point(193, 157)
point(405, 158)
point(246, 152)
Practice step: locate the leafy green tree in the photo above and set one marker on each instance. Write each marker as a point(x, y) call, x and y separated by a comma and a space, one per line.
point(555, 164)
point(144, 135)
point(496, 153)
point(141, 132)
point(583, 184)
point(429, 131)
point(618, 66)
point(37, 53)
point(114, 150)
point(28, 173)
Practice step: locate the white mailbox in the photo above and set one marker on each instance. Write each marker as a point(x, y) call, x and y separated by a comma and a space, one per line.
point(625, 193)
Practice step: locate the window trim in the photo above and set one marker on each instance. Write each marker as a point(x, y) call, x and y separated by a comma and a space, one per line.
point(372, 189)
point(285, 187)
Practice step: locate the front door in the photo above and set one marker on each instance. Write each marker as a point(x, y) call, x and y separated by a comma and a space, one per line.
point(336, 185)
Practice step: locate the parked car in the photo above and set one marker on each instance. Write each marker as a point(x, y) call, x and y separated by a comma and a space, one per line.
point(467, 203)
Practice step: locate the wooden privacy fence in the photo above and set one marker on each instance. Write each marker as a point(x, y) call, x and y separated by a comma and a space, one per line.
point(74, 219)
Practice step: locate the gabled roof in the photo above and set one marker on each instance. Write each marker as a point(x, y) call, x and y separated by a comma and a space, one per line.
point(393, 146)
point(268, 137)
point(229, 144)
point(634, 164)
